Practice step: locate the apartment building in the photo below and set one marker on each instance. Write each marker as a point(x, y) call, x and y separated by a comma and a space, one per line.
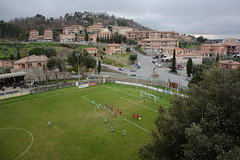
point(67, 37)
point(30, 61)
point(121, 30)
point(156, 44)
point(48, 35)
point(33, 36)
point(95, 28)
point(114, 49)
point(4, 64)
point(136, 35)
point(222, 48)
point(73, 29)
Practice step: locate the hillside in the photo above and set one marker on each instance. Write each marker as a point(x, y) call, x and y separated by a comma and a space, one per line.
point(22, 26)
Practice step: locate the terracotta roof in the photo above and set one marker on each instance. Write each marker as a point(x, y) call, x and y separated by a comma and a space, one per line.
point(229, 62)
point(32, 58)
point(90, 49)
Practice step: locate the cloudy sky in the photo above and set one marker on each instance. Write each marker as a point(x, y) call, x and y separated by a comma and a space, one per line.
point(216, 18)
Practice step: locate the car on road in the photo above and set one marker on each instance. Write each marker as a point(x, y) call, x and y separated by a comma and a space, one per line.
point(153, 61)
point(120, 69)
point(154, 57)
point(133, 70)
point(138, 65)
point(133, 75)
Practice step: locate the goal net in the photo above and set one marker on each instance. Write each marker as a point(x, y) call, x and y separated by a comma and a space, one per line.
point(149, 96)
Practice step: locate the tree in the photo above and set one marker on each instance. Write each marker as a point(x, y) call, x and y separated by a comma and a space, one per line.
point(203, 125)
point(18, 55)
point(99, 66)
point(174, 62)
point(56, 63)
point(133, 57)
point(189, 66)
point(108, 40)
point(11, 57)
point(128, 49)
point(51, 52)
point(98, 38)
point(217, 59)
point(37, 51)
point(86, 36)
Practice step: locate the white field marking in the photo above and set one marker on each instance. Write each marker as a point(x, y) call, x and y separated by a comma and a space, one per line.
point(25, 131)
point(126, 93)
point(84, 97)
point(49, 96)
point(121, 117)
point(96, 93)
point(138, 104)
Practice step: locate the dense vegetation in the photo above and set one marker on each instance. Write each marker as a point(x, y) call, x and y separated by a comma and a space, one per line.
point(203, 125)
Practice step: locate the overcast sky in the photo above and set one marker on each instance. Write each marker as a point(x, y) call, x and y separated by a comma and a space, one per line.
point(199, 17)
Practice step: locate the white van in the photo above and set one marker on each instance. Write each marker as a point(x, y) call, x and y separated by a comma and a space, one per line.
point(138, 65)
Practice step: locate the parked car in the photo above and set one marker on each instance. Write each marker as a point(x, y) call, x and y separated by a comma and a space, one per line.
point(133, 70)
point(154, 57)
point(153, 62)
point(120, 69)
point(138, 65)
point(158, 65)
point(133, 75)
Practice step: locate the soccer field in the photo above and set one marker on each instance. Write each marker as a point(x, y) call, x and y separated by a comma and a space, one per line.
point(78, 129)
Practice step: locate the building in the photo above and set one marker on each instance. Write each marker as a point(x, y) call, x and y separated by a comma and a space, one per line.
point(222, 48)
point(92, 51)
point(121, 30)
point(67, 37)
point(196, 56)
point(48, 35)
point(33, 36)
point(138, 35)
point(30, 61)
point(4, 64)
point(114, 49)
point(73, 29)
point(156, 44)
point(95, 28)
point(229, 64)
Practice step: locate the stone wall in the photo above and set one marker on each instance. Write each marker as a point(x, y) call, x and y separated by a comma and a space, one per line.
point(40, 74)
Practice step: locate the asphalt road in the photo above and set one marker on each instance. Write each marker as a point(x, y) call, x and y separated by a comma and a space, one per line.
point(146, 70)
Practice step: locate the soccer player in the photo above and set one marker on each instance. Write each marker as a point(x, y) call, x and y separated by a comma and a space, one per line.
point(105, 119)
point(120, 112)
point(99, 105)
point(112, 128)
point(111, 108)
point(118, 109)
point(137, 116)
point(144, 99)
point(140, 119)
point(115, 114)
point(133, 115)
point(49, 124)
point(124, 132)
point(105, 107)
point(93, 101)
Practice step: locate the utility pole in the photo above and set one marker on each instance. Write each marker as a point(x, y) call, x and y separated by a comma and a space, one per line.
point(78, 55)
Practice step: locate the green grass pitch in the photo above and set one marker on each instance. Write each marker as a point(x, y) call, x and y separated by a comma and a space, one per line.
point(78, 129)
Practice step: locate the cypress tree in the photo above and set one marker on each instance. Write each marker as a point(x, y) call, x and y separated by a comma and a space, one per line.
point(174, 62)
point(189, 66)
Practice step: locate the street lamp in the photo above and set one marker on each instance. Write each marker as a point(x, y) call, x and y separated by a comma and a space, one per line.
point(78, 55)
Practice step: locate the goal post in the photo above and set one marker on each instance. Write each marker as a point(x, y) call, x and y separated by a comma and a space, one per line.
point(148, 95)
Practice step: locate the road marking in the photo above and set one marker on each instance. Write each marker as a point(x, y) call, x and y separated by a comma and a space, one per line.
point(25, 131)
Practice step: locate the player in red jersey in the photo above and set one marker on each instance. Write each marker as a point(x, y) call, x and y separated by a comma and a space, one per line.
point(133, 115)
